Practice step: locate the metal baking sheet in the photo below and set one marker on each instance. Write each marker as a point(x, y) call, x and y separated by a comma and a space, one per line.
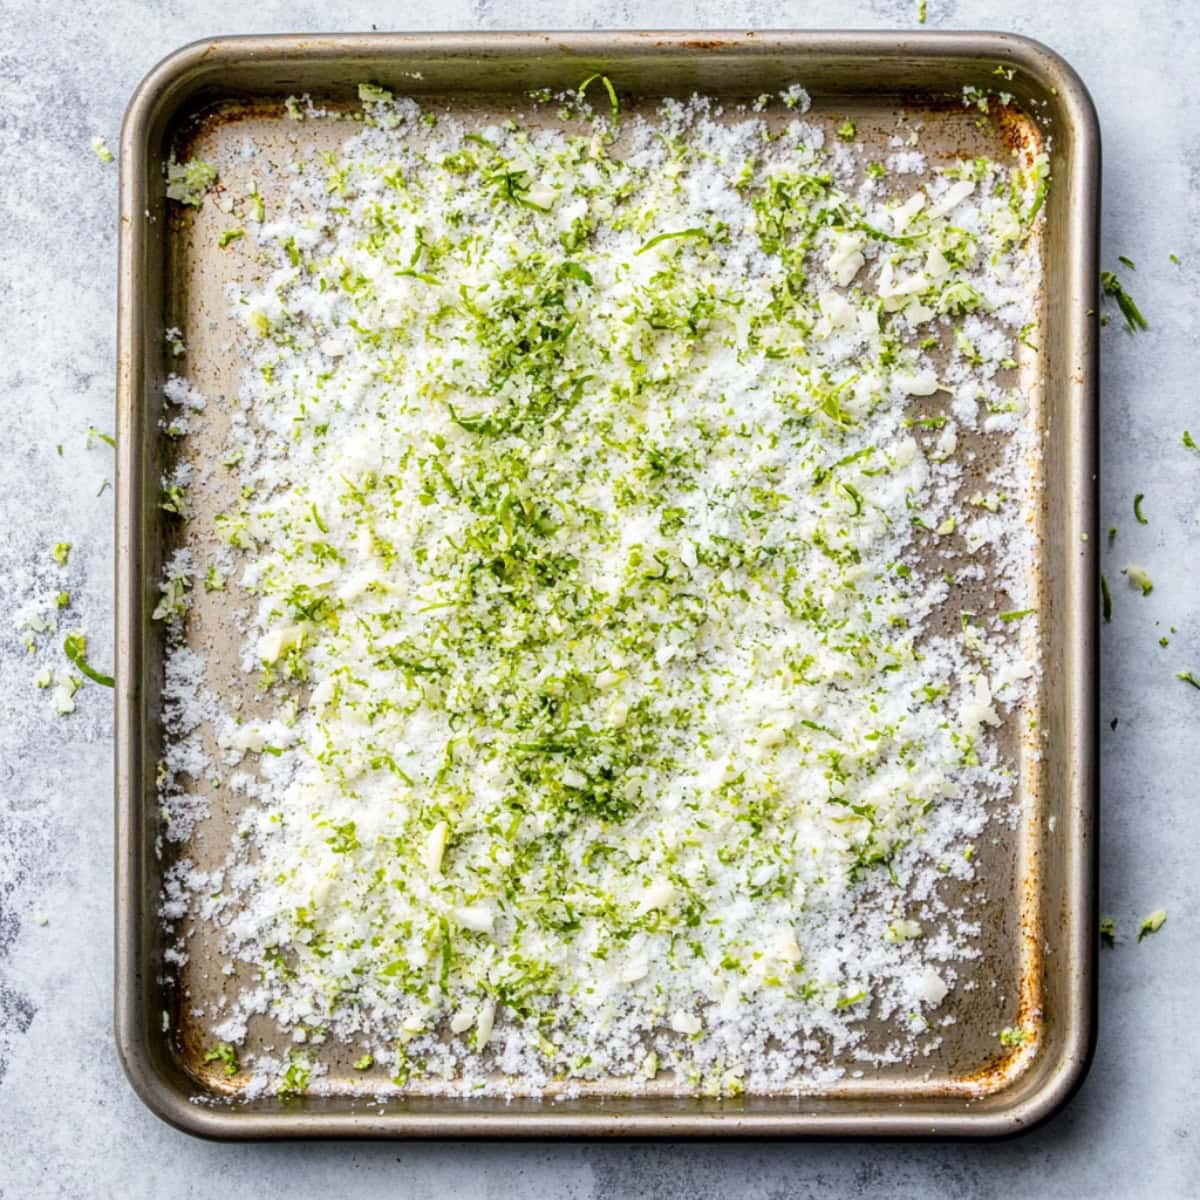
point(1039, 929)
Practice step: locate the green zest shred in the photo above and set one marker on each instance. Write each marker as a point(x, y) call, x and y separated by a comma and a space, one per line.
point(1152, 924)
point(1112, 286)
point(224, 1053)
point(75, 648)
point(295, 1078)
point(188, 182)
point(614, 104)
point(1138, 578)
point(666, 237)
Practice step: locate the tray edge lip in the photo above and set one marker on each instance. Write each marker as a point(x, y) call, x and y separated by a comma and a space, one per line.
point(1062, 1077)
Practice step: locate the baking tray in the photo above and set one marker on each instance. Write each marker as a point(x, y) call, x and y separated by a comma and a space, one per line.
point(1039, 937)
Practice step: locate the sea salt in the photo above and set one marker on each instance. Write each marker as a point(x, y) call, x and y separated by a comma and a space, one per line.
point(590, 556)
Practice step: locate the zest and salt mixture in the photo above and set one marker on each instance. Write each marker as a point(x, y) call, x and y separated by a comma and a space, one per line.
point(603, 533)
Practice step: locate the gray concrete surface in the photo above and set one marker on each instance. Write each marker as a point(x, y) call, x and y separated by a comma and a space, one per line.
point(69, 1125)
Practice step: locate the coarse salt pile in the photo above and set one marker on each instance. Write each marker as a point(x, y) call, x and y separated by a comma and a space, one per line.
point(598, 550)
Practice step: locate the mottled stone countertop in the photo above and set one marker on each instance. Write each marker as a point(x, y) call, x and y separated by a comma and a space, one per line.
point(70, 1125)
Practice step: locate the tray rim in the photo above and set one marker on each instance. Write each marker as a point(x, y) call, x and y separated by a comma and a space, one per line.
point(163, 91)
